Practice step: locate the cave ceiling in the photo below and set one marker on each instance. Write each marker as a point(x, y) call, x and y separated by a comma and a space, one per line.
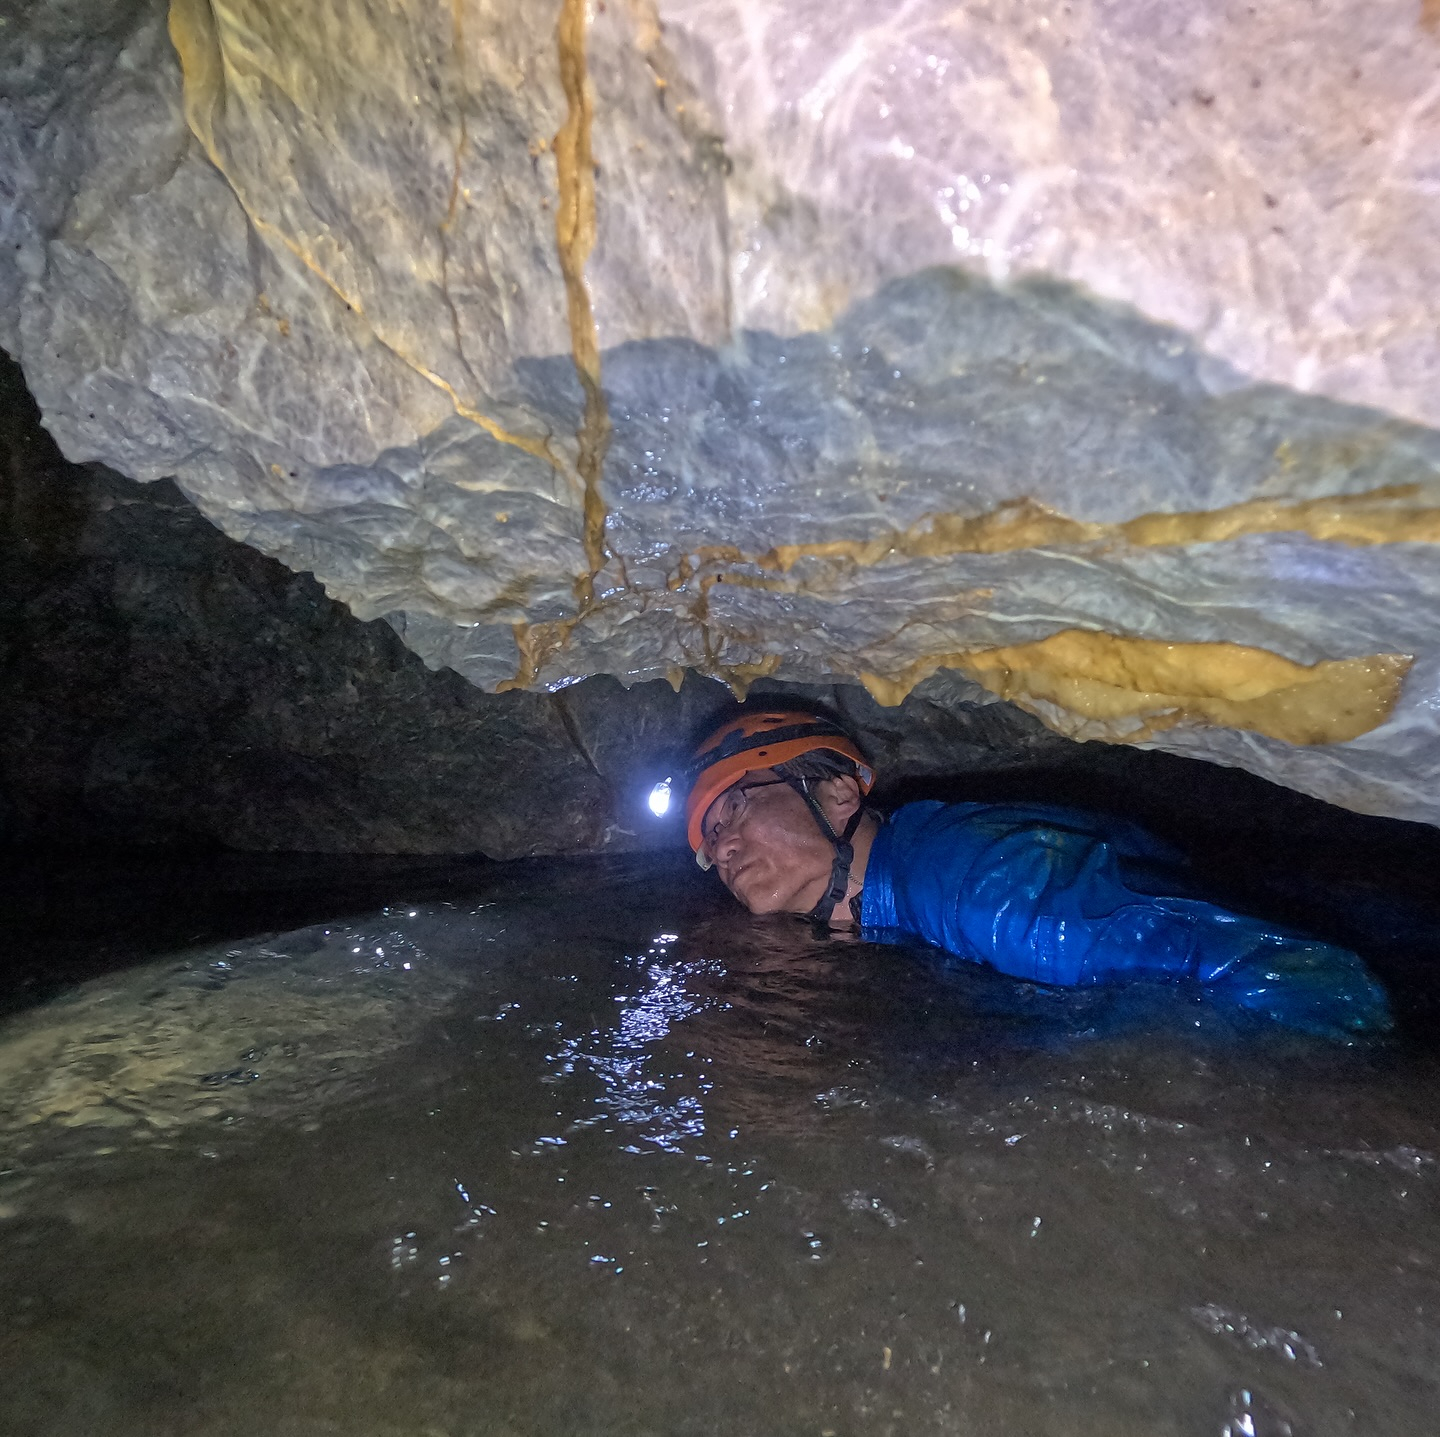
point(1090, 352)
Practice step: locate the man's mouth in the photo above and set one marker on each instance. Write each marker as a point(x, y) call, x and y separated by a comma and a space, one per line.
point(731, 873)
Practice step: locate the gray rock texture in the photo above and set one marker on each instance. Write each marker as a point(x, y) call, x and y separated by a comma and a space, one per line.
point(165, 688)
point(161, 684)
point(1087, 352)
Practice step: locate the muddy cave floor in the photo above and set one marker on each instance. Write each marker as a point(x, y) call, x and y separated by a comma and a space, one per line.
point(300, 1144)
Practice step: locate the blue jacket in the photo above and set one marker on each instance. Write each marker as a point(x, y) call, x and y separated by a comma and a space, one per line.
point(1058, 895)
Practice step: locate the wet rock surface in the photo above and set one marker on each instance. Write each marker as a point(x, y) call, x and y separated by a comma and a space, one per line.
point(163, 684)
point(168, 695)
point(789, 342)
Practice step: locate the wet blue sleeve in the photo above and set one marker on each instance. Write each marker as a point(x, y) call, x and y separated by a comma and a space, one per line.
point(1061, 896)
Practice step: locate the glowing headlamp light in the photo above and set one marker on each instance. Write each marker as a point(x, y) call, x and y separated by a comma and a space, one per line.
point(660, 798)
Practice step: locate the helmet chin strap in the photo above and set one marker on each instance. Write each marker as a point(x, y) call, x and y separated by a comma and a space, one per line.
point(839, 886)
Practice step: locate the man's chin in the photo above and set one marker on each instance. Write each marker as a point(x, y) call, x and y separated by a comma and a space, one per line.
point(761, 902)
point(754, 896)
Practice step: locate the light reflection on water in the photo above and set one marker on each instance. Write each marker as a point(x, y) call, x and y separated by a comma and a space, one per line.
point(634, 1092)
point(633, 1163)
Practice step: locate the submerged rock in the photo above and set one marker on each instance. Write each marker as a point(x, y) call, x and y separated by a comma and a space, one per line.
point(1080, 354)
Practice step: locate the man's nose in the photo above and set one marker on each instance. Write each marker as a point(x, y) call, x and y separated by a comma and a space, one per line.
point(722, 847)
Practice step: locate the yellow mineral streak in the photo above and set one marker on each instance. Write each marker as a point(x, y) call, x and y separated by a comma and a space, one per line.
point(1380, 516)
point(538, 644)
point(741, 676)
point(1135, 687)
point(749, 581)
point(690, 564)
point(196, 38)
point(1103, 679)
point(574, 239)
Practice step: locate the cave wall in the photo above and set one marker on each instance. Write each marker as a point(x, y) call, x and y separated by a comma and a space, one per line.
point(161, 684)
point(1076, 350)
point(164, 687)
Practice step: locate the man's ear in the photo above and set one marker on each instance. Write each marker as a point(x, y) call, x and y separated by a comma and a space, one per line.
point(839, 797)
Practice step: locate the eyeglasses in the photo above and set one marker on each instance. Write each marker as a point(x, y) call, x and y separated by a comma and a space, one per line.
point(732, 804)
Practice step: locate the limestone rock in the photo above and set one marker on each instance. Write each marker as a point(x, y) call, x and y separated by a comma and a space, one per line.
point(163, 687)
point(162, 684)
point(1089, 352)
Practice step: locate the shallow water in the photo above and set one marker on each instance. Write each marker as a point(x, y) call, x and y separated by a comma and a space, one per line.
point(594, 1153)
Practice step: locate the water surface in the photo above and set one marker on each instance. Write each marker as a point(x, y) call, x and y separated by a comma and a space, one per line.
point(591, 1152)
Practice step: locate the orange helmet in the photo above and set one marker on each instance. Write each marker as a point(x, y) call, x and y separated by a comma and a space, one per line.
point(760, 740)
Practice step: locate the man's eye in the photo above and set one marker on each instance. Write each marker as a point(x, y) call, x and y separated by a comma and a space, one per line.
point(728, 810)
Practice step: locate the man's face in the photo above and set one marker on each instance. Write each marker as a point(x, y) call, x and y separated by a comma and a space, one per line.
point(773, 856)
